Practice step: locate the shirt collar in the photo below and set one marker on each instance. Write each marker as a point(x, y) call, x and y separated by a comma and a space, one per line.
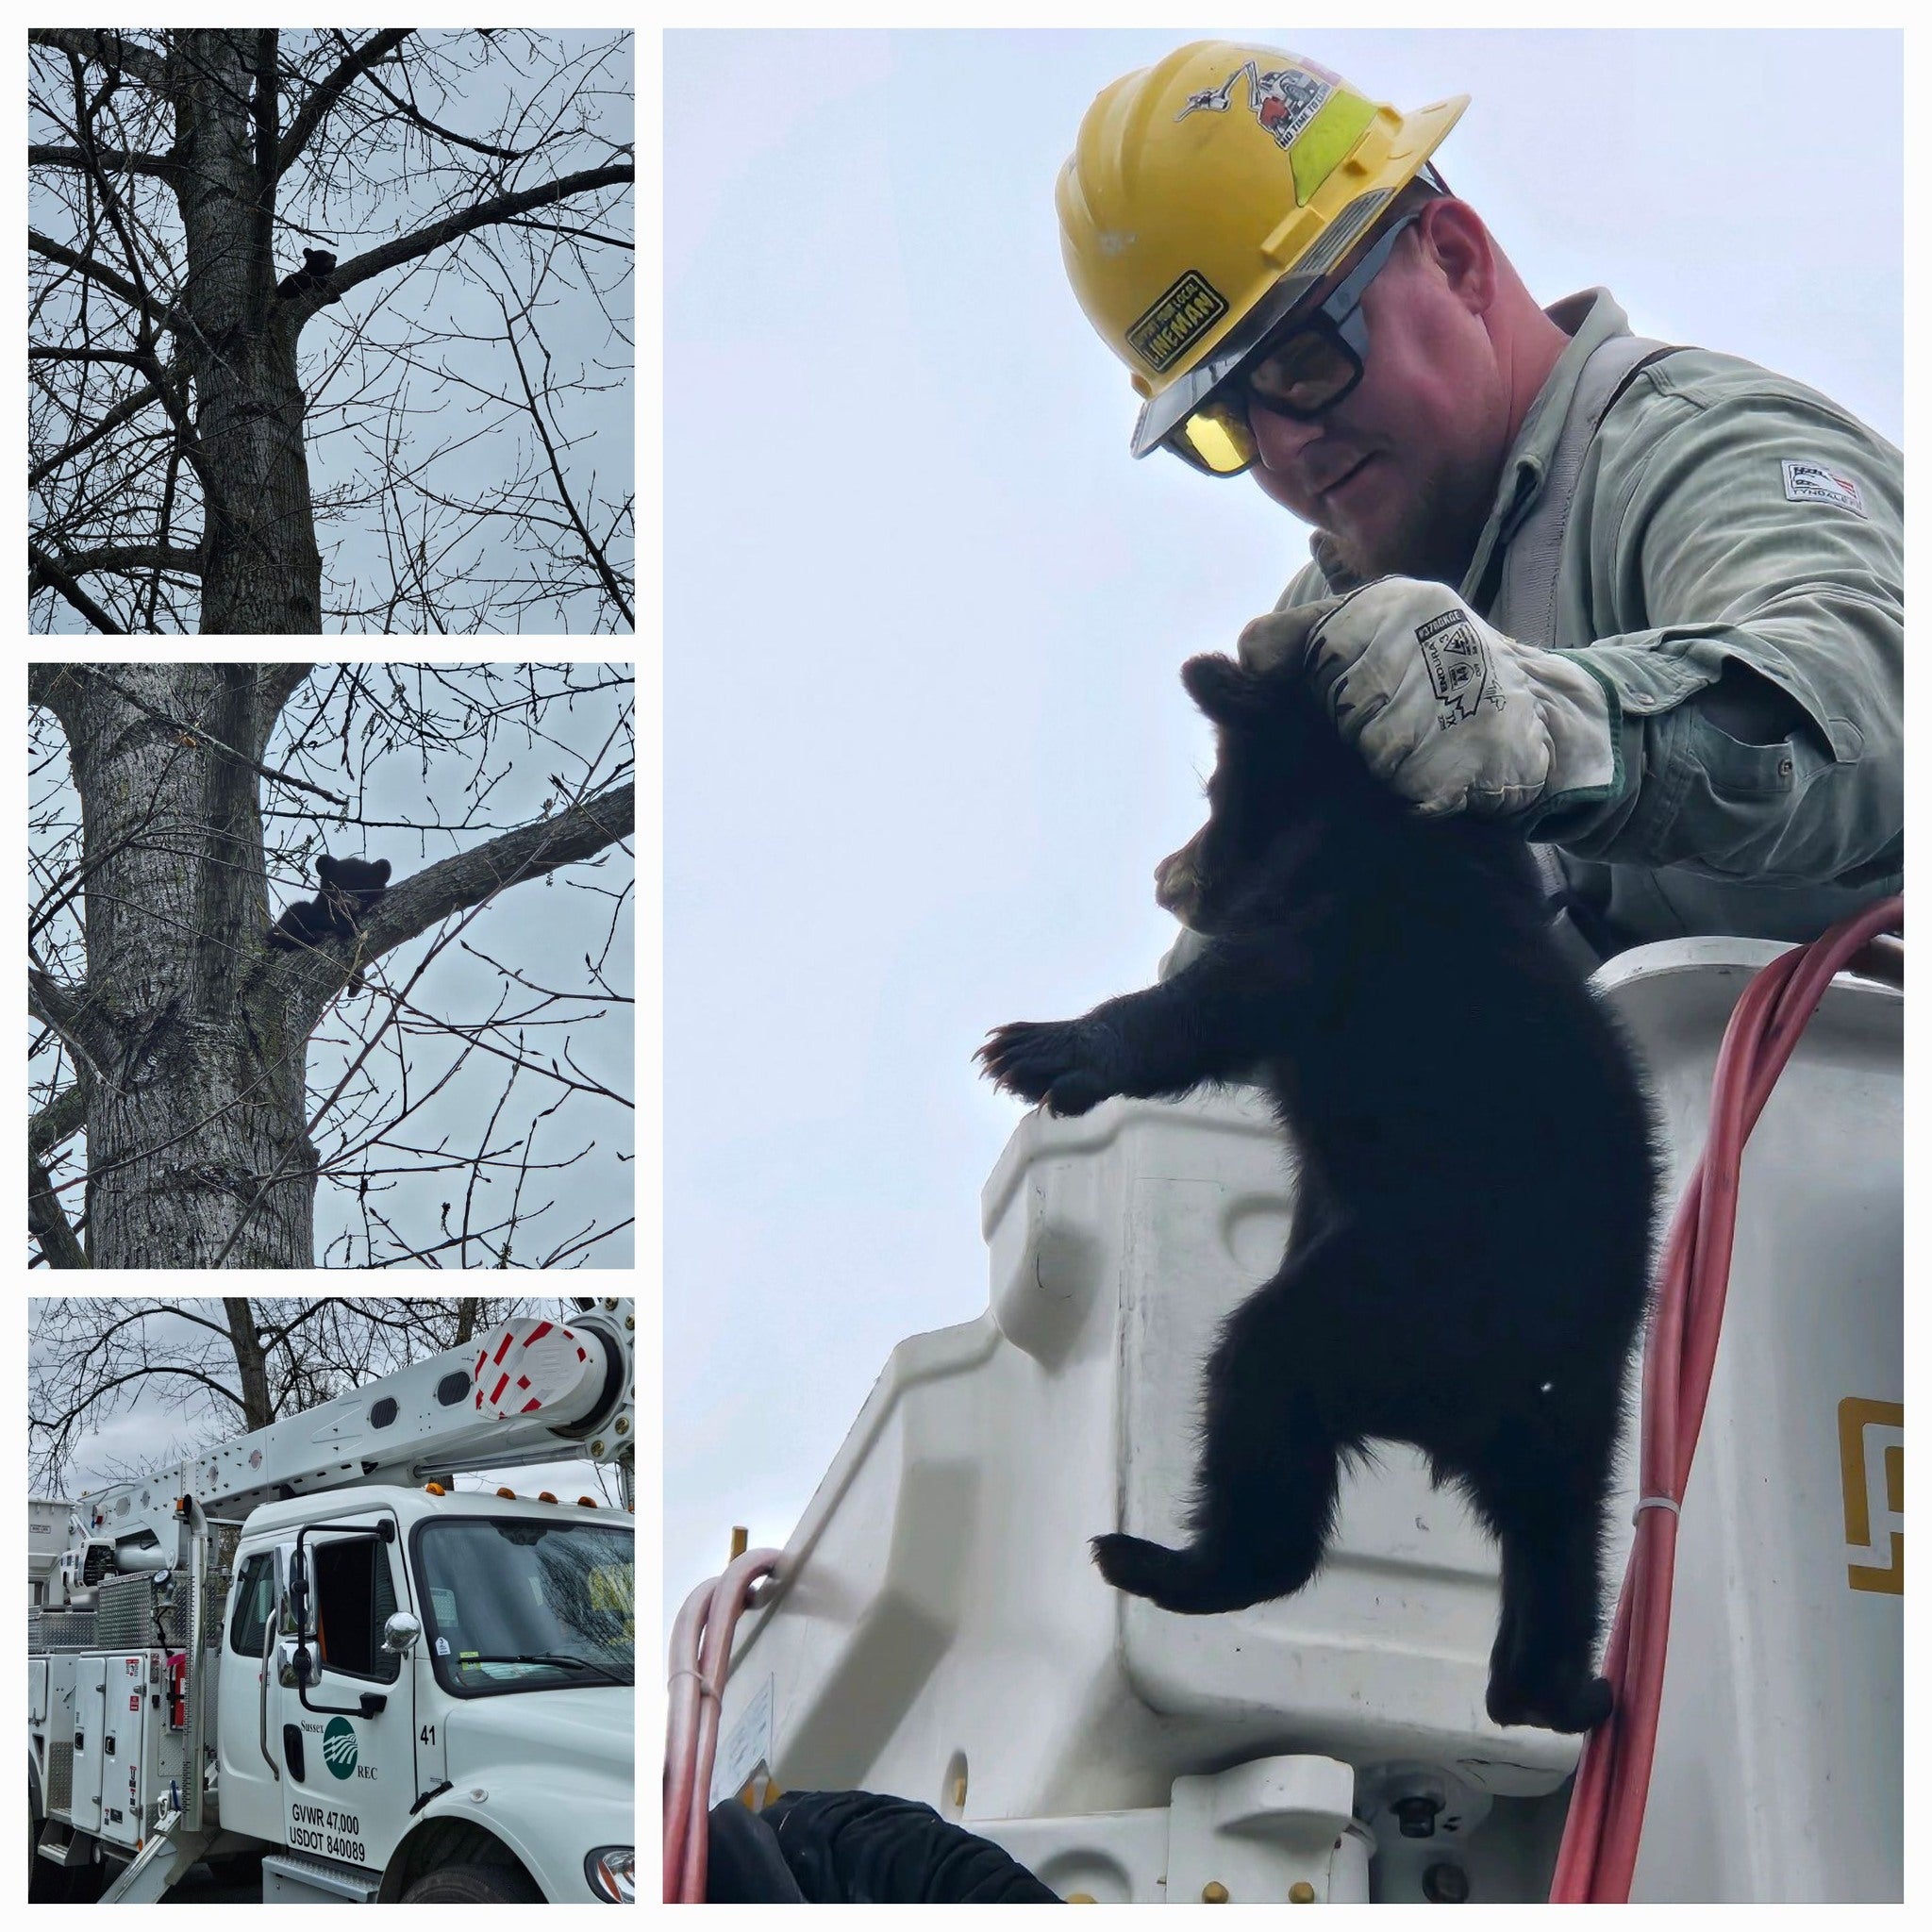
point(1589, 319)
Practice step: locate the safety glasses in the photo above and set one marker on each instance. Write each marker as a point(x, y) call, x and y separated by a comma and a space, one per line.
point(1300, 369)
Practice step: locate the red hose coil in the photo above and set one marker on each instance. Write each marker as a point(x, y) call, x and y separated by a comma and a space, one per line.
point(1600, 1839)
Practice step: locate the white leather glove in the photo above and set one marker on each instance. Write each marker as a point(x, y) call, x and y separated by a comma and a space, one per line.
point(1448, 712)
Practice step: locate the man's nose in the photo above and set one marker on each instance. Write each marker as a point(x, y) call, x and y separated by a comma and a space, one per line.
point(1281, 439)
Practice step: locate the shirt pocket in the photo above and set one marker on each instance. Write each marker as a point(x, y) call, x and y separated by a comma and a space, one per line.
point(1734, 770)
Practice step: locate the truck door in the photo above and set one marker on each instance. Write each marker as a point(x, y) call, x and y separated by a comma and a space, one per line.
point(89, 1706)
point(348, 1734)
point(247, 1728)
point(132, 1687)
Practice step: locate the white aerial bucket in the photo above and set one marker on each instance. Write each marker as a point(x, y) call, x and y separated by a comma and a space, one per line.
point(941, 1634)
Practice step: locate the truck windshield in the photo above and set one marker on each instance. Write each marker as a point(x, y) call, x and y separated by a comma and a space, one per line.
point(512, 1605)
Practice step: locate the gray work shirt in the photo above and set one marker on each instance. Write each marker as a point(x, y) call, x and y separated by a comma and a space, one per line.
point(1722, 513)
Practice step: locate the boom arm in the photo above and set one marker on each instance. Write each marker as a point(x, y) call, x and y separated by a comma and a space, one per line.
point(529, 1391)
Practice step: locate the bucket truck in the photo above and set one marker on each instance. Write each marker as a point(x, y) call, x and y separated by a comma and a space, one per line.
point(308, 1644)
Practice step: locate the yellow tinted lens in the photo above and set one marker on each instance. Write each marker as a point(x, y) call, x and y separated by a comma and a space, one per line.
point(1305, 372)
point(1219, 438)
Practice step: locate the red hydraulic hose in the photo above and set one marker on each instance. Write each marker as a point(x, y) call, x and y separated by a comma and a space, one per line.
point(700, 1661)
point(1600, 1839)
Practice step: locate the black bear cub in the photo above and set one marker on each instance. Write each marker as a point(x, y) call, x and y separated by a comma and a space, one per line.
point(317, 264)
point(1468, 1261)
point(350, 888)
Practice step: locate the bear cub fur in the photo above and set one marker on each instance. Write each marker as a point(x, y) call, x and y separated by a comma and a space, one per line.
point(317, 264)
point(350, 888)
point(1467, 1265)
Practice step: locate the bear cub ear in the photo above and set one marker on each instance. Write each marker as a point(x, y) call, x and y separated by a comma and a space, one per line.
point(1227, 691)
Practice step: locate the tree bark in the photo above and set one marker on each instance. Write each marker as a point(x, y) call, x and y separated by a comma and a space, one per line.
point(198, 1090)
point(261, 571)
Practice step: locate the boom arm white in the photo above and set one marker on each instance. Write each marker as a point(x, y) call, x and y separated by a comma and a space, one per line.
point(532, 1391)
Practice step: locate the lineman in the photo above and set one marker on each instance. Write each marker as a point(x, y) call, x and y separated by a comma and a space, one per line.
point(1643, 601)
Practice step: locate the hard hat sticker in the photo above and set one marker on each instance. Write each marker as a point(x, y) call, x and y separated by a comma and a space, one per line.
point(1814, 483)
point(1282, 101)
point(1164, 332)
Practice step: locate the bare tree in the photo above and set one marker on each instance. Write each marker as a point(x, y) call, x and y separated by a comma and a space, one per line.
point(186, 1100)
point(221, 1367)
point(455, 204)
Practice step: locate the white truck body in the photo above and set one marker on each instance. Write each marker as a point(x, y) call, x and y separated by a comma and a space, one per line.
point(306, 1646)
point(46, 1537)
point(939, 1633)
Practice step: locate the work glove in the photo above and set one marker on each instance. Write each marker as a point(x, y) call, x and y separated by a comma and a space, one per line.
point(1449, 713)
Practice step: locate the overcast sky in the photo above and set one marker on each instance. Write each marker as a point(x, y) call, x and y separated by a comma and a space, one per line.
point(923, 614)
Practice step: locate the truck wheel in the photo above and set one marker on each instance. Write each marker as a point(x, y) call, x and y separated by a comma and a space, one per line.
point(473, 1885)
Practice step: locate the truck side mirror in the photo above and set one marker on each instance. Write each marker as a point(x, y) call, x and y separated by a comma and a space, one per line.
point(400, 1633)
point(298, 1585)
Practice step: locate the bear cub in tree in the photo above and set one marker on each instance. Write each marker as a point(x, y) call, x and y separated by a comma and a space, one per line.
point(1468, 1261)
point(317, 264)
point(350, 888)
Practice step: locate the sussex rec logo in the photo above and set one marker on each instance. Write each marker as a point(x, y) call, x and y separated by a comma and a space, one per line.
point(339, 1747)
point(1178, 318)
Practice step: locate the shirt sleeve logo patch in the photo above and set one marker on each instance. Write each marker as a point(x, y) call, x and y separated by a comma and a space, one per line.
point(1814, 483)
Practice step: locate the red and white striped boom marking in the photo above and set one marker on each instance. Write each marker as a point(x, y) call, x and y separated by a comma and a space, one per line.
point(528, 1366)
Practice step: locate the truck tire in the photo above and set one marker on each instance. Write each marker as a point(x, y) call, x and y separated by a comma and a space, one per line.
point(473, 1885)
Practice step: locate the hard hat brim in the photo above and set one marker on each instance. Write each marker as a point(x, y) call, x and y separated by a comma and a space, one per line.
point(1423, 132)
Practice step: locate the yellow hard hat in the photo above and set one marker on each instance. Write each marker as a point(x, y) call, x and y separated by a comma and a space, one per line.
point(1207, 195)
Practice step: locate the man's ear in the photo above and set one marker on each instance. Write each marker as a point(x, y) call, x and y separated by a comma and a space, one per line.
point(1225, 693)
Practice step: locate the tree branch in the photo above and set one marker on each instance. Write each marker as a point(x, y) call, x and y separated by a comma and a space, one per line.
point(130, 558)
point(330, 90)
point(54, 688)
point(105, 277)
point(73, 1014)
point(182, 727)
point(359, 268)
point(591, 547)
point(454, 885)
point(45, 571)
point(105, 49)
point(131, 356)
point(108, 159)
point(124, 411)
point(47, 1221)
point(275, 684)
point(59, 1120)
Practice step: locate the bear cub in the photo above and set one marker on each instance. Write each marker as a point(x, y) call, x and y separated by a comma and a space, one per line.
point(1468, 1259)
point(317, 264)
point(350, 888)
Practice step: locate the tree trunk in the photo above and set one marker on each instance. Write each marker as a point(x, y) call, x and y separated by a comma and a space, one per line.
point(196, 1107)
point(262, 572)
point(257, 1409)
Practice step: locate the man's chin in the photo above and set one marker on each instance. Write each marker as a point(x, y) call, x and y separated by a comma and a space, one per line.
point(1368, 558)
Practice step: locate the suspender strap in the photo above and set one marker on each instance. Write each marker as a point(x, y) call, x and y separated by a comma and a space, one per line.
point(1525, 602)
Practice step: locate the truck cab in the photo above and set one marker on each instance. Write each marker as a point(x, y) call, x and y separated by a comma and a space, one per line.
point(412, 1657)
